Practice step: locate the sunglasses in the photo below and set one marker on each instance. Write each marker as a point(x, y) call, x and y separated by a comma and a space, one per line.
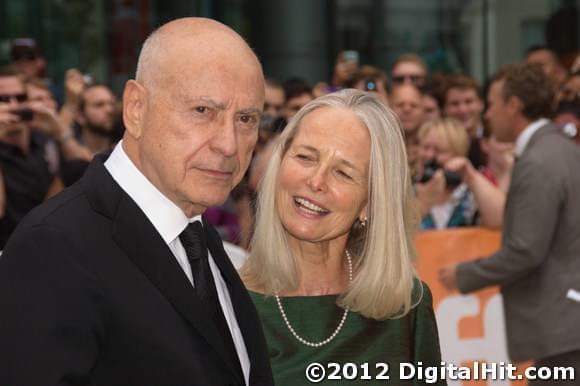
point(6, 98)
point(416, 79)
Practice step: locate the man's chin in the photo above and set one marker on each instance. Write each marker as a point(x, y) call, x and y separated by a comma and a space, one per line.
point(102, 130)
point(217, 199)
point(13, 134)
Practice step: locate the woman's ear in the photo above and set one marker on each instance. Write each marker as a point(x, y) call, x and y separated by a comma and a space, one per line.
point(363, 217)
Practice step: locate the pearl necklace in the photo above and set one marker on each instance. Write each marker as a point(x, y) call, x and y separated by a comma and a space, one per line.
point(338, 328)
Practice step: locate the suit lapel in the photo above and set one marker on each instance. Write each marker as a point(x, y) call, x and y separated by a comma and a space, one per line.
point(244, 310)
point(141, 242)
point(215, 246)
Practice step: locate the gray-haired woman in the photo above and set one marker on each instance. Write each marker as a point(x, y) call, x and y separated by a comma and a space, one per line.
point(330, 268)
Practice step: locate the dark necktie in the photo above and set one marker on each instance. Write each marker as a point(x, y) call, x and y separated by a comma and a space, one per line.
point(193, 241)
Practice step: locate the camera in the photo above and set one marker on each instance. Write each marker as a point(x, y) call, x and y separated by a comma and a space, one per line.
point(370, 84)
point(25, 114)
point(452, 179)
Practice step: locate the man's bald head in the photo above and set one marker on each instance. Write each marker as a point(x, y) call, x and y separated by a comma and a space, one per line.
point(192, 115)
point(185, 40)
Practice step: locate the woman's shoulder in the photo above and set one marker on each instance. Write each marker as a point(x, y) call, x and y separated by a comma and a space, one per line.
point(421, 295)
point(260, 300)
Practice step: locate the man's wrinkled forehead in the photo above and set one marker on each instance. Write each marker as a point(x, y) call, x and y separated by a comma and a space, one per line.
point(185, 62)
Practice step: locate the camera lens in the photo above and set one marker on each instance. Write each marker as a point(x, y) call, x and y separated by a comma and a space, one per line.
point(25, 114)
point(370, 85)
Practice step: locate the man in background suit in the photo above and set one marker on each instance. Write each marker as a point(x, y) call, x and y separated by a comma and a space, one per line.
point(538, 265)
point(97, 285)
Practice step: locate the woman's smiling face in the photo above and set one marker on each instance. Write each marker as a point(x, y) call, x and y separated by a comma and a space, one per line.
point(323, 177)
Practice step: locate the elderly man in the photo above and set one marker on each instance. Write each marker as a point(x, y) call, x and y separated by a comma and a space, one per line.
point(537, 266)
point(111, 282)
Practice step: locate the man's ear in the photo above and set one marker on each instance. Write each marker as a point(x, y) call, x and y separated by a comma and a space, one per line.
point(134, 105)
point(515, 104)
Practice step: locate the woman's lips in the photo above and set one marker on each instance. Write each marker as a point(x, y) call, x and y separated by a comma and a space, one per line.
point(308, 208)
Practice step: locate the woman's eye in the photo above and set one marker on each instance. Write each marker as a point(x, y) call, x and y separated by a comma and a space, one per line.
point(344, 174)
point(303, 157)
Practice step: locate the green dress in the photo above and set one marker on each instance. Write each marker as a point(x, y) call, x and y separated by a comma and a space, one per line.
point(410, 339)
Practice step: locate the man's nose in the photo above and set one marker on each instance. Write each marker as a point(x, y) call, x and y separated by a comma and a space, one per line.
point(225, 140)
point(110, 107)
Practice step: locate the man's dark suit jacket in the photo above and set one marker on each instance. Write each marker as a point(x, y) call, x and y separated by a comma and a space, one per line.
point(90, 294)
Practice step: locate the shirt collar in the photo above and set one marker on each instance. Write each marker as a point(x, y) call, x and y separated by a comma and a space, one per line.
point(167, 218)
point(525, 136)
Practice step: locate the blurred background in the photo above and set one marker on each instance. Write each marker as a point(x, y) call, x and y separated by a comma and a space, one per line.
point(298, 37)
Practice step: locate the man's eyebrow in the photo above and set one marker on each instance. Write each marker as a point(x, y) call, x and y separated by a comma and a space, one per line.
point(222, 106)
point(213, 103)
point(250, 111)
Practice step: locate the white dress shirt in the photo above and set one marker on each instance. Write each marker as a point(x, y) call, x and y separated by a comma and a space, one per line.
point(525, 136)
point(169, 221)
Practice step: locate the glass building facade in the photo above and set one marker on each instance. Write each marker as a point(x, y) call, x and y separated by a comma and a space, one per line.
point(299, 37)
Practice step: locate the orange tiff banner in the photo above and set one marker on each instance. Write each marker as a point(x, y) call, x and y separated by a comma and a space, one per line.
point(471, 327)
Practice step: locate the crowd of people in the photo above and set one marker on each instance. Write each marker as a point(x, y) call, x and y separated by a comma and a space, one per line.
point(460, 171)
point(449, 146)
point(341, 176)
point(46, 146)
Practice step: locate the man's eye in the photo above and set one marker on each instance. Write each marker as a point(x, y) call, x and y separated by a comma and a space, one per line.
point(201, 109)
point(248, 119)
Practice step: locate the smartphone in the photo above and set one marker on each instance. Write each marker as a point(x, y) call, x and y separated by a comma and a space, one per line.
point(88, 79)
point(350, 56)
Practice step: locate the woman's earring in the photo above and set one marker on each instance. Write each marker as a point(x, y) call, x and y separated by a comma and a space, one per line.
point(363, 222)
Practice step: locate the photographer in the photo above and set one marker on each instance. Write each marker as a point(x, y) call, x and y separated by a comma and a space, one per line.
point(46, 118)
point(567, 119)
point(345, 67)
point(371, 78)
point(450, 191)
point(27, 163)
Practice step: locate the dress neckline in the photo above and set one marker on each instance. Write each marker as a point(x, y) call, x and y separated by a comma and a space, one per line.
point(330, 296)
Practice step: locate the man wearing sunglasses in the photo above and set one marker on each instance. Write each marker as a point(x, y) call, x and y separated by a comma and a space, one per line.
point(27, 170)
point(409, 69)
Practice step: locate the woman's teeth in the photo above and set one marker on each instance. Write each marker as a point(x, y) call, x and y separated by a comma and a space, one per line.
point(310, 206)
